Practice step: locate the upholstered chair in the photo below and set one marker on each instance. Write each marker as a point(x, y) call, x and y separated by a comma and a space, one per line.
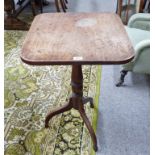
point(138, 30)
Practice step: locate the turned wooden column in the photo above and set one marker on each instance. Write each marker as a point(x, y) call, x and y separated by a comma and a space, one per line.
point(77, 80)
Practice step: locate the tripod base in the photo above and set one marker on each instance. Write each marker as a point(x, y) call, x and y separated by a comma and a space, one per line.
point(77, 102)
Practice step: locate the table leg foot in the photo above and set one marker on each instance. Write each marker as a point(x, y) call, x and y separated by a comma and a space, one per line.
point(90, 129)
point(62, 109)
point(90, 100)
point(95, 148)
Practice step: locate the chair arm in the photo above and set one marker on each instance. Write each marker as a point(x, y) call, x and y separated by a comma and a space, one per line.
point(140, 21)
point(142, 57)
point(140, 46)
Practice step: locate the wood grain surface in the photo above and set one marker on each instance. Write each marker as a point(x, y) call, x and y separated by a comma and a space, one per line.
point(77, 38)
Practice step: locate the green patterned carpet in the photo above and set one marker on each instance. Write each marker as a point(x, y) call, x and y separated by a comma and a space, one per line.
point(30, 93)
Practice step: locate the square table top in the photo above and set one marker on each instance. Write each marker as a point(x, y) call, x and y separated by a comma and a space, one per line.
point(77, 38)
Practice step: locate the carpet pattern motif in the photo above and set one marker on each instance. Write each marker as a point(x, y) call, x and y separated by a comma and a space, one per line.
point(30, 93)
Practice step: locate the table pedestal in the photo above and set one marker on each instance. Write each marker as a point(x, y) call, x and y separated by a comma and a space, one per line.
point(76, 101)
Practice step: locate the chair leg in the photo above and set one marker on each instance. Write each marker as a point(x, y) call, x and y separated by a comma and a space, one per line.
point(33, 7)
point(65, 4)
point(57, 5)
point(62, 5)
point(121, 80)
point(41, 6)
point(66, 1)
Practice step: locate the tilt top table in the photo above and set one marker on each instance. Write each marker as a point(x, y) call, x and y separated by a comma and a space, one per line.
point(77, 39)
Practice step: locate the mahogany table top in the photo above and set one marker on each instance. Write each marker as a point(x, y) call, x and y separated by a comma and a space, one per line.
point(77, 38)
